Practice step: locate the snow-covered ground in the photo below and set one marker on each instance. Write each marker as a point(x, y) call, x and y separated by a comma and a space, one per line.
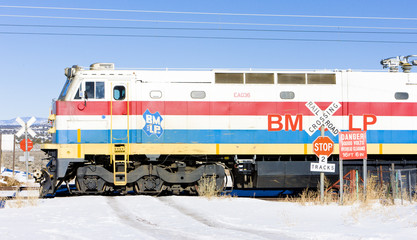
point(146, 217)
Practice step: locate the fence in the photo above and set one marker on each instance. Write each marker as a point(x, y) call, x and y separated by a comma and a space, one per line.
point(405, 182)
point(401, 182)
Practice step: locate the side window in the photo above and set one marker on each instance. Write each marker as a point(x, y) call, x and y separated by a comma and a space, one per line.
point(119, 92)
point(99, 90)
point(89, 90)
point(77, 95)
point(93, 90)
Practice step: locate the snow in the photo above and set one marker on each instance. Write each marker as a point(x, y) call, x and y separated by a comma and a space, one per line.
point(18, 175)
point(178, 217)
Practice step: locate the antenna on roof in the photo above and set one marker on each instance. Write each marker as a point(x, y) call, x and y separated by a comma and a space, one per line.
point(394, 62)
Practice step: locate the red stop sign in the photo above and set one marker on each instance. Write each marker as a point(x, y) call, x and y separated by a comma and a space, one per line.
point(23, 145)
point(323, 146)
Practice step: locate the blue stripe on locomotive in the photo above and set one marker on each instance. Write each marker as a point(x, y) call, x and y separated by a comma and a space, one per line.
point(225, 136)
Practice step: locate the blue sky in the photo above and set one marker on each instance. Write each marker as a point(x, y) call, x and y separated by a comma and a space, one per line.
point(32, 66)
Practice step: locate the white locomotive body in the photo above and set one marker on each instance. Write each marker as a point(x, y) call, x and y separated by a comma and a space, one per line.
point(155, 131)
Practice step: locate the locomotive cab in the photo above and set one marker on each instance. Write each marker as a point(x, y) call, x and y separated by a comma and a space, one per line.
point(98, 129)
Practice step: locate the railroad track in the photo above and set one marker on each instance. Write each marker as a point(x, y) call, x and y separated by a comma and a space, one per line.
point(18, 191)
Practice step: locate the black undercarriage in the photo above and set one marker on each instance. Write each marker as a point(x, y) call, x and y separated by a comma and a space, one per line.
point(175, 174)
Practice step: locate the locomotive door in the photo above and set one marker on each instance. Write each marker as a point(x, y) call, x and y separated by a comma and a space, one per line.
point(119, 131)
point(119, 113)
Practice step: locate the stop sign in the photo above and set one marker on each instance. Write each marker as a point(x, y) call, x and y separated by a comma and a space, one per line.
point(323, 146)
point(23, 145)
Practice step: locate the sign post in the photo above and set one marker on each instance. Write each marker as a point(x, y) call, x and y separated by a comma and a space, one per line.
point(352, 145)
point(321, 149)
point(25, 129)
point(322, 173)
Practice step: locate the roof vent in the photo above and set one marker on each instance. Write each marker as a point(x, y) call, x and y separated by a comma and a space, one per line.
point(102, 66)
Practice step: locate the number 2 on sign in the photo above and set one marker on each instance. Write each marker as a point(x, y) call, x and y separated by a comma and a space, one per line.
point(323, 159)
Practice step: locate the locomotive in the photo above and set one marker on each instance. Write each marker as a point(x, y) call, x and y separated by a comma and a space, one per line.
point(152, 131)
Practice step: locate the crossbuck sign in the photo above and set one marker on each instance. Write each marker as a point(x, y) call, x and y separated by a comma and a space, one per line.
point(25, 127)
point(323, 118)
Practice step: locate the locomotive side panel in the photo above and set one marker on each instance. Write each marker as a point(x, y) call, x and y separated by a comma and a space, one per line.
point(163, 130)
point(377, 105)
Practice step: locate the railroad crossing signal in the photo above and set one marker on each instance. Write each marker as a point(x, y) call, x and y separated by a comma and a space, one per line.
point(23, 145)
point(323, 118)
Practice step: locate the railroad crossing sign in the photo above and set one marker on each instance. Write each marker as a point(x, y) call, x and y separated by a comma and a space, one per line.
point(26, 145)
point(323, 118)
point(25, 126)
point(23, 145)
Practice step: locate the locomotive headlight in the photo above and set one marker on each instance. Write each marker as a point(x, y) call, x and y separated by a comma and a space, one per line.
point(70, 72)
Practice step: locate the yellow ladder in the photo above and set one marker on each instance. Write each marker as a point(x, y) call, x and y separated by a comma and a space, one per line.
point(120, 160)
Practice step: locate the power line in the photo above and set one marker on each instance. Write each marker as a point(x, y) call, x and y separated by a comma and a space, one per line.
point(199, 29)
point(197, 22)
point(205, 37)
point(211, 13)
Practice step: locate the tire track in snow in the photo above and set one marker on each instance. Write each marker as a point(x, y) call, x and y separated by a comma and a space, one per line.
point(145, 226)
point(264, 234)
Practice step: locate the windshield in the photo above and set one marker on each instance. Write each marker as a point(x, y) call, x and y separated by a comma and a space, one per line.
point(64, 90)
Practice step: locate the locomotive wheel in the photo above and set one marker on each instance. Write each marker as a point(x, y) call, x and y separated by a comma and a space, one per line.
point(148, 185)
point(90, 184)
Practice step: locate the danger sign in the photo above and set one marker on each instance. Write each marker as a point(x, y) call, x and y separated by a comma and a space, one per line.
point(352, 145)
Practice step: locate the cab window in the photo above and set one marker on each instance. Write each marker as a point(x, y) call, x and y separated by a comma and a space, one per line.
point(77, 95)
point(93, 90)
point(99, 90)
point(89, 90)
point(64, 90)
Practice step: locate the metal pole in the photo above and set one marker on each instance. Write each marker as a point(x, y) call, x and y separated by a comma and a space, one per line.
point(381, 181)
point(357, 184)
point(401, 185)
point(14, 151)
point(1, 150)
point(341, 179)
point(392, 181)
point(365, 174)
point(322, 173)
point(26, 152)
point(409, 185)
